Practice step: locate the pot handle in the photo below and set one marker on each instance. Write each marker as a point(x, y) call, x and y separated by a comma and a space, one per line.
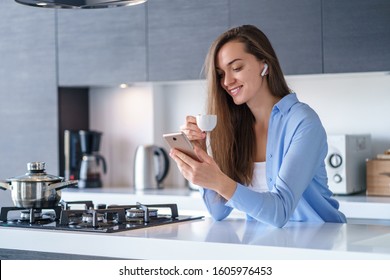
point(61, 185)
point(5, 185)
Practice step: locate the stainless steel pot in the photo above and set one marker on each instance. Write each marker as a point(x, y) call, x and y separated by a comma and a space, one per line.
point(36, 189)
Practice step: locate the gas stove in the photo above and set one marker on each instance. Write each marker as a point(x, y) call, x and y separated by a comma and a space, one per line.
point(90, 218)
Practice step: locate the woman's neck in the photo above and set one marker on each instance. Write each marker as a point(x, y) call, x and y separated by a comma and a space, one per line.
point(262, 106)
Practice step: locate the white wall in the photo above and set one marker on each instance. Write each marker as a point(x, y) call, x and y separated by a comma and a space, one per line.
point(172, 103)
point(346, 103)
point(125, 116)
point(349, 103)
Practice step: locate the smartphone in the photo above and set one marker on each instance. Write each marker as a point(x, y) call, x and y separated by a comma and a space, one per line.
point(179, 140)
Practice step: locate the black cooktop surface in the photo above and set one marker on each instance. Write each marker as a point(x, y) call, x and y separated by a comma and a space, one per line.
point(102, 219)
point(105, 228)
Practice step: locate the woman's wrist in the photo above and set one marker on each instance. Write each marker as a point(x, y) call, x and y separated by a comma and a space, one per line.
point(226, 187)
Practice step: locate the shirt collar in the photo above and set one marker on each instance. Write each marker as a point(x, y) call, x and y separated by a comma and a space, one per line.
point(285, 104)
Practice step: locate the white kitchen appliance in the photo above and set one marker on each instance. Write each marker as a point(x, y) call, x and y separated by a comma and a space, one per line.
point(346, 162)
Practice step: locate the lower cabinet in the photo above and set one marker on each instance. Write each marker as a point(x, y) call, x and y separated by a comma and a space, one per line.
point(8, 254)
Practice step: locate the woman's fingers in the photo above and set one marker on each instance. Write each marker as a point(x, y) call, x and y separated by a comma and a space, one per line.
point(191, 129)
point(184, 163)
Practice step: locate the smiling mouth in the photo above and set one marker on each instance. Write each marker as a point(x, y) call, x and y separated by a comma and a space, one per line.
point(235, 91)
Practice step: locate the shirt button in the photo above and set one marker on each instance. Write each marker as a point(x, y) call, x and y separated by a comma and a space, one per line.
point(270, 156)
point(270, 179)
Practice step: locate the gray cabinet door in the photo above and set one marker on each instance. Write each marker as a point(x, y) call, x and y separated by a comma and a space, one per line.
point(356, 35)
point(293, 27)
point(102, 46)
point(180, 34)
point(28, 88)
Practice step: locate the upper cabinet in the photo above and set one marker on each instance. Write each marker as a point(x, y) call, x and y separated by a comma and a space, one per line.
point(293, 27)
point(102, 46)
point(167, 40)
point(356, 35)
point(180, 34)
point(28, 88)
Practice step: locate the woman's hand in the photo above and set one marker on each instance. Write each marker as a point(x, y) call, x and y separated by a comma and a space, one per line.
point(193, 133)
point(205, 172)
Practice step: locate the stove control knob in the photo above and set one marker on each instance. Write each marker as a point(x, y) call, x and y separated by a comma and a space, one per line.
point(335, 160)
point(337, 178)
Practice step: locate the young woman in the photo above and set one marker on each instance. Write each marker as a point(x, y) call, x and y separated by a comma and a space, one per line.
point(268, 148)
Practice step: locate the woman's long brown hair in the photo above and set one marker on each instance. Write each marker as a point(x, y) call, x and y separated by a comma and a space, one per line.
point(233, 141)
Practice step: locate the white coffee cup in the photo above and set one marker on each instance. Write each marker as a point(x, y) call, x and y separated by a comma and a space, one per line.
point(206, 122)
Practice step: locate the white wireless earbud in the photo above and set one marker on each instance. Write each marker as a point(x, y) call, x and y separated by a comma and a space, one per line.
point(264, 70)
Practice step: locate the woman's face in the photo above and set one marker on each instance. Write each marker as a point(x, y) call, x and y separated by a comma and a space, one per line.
point(239, 72)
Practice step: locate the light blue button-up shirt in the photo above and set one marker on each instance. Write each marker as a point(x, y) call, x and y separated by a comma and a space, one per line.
point(295, 170)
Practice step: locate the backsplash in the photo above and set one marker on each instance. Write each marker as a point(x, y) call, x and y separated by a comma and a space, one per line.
point(349, 103)
point(140, 114)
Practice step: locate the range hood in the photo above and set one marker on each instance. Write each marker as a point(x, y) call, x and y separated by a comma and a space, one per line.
point(79, 4)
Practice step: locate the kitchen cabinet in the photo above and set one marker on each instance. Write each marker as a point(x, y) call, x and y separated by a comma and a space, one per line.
point(8, 254)
point(179, 36)
point(28, 88)
point(102, 46)
point(165, 40)
point(293, 27)
point(356, 35)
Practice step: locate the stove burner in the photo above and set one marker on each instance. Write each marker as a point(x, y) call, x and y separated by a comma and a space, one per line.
point(25, 214)
point(31, 215)
point(139, 213)
point(92, 217)
point(88, 217)
point(87, 204)
point(104, 219)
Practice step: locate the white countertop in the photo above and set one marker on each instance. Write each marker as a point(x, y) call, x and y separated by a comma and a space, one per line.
point(233, 238)
point(353, 206)
point(365, 207)
point(206, 239)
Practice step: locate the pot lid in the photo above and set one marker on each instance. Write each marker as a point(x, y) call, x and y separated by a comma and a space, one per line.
point(36, 173)
point(79, 4)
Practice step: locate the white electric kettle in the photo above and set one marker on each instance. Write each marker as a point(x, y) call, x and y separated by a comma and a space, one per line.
point(151, 166)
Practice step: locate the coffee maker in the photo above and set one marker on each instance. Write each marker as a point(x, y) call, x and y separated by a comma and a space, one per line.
point(92, 163)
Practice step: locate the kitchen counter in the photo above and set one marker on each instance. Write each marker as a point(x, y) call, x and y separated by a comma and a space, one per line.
point(365, 207)
point(206, 239)
point(355, 207)
point(233, 238)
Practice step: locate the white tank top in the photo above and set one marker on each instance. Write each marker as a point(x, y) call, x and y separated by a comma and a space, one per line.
point(259, 181)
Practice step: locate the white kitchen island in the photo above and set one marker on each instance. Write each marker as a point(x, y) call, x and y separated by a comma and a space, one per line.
point(356, 207)
point(233, 238)
point(206, 239)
